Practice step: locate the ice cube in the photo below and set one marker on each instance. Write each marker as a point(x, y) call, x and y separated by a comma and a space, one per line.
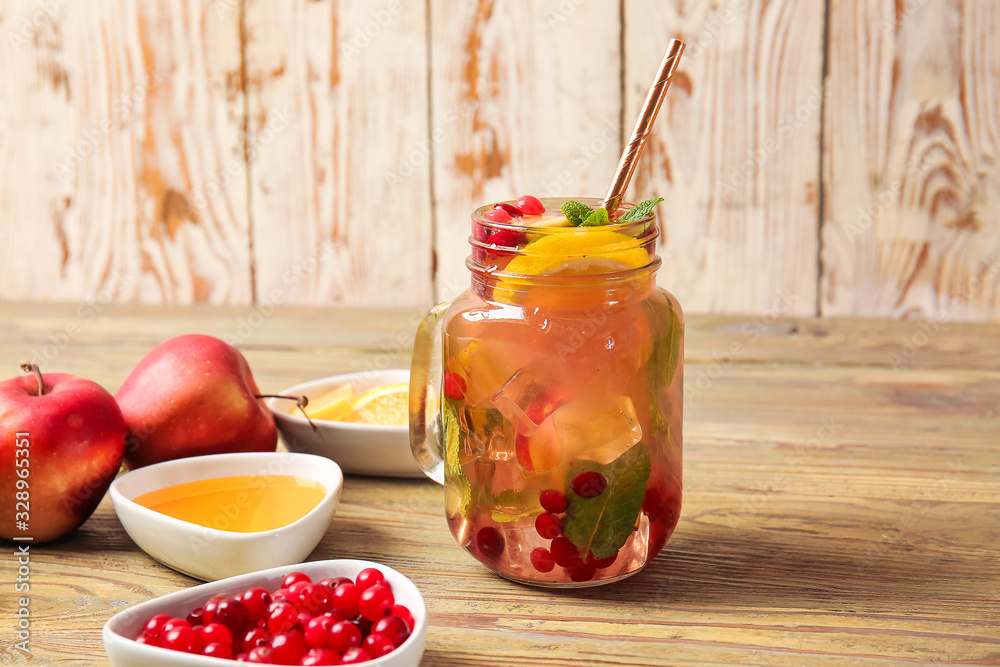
point(599, 431)
point(525, 401)
point(484, 366)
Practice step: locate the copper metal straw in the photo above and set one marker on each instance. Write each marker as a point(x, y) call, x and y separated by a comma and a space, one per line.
point(654, 99)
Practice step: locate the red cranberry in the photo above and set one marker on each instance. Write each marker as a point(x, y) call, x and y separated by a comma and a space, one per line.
point(541, 559)
point(589, 484)
point(530, 205)
point(333, 582)
point(553, 501)
point(564, 553)
point(490, 542)
point(153, 625)
point(355, 655)
point(149, 640)
point(216, 633)
point(392, 627)
point(505, 239)
point(194, 617)
point(579, 572)
point(256, 637)
point(209, 608)
point(281, 616)
point(174, 623)
point(548, 526)
point(404, 613)
point(512, 211)
point(601, 563)
point(454, 386)
point(320, 656)
point(316, 599)
point(369, 577)
point(216, 650)
point(294, 577)
point(288, 647)
point(260, 655)
point(345, 598)
point(497, 215)
point(343, 636)
point(377, 645)
point(318, 630)
point(256, 601)
point(233, 614)
point(180, 638)
point(375, 602)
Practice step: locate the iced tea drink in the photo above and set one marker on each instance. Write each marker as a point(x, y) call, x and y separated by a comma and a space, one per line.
point(557, 429)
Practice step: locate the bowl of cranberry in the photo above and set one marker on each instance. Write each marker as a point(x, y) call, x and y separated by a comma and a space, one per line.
point(332, 612)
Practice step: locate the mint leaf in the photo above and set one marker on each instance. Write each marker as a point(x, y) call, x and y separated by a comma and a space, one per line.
point(663, 361)
point(458, 491)
point(575, 212)
point(640, 211)
point(596, 218)
point(603, 524)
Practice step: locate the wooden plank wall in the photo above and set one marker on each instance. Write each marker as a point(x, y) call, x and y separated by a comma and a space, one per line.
point(835, 158)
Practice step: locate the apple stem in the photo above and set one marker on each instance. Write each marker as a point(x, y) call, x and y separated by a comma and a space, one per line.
point(300, 402)
point(33, 368)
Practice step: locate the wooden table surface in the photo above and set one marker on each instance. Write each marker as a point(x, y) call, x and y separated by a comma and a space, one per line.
point(841, 505)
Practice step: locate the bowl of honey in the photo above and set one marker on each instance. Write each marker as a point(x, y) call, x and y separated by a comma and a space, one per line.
point(222, 515)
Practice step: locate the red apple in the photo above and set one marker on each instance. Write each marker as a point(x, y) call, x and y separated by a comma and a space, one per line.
point(193, 395)
point(59, 451)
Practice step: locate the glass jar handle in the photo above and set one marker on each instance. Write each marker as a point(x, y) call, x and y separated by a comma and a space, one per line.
point(425, 394)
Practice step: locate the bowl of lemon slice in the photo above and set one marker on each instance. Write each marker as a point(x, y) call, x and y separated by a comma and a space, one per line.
point(360, 420)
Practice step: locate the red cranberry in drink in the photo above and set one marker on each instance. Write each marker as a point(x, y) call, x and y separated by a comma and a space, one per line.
point(530, 205)
point(601, 563)
point(490, 542)
point(564, 553)
point(589, 484)
point(548, 526)
point(512, 211)
point(553, 501)
point(454, 386)
point(497, 215)
point(541, 560)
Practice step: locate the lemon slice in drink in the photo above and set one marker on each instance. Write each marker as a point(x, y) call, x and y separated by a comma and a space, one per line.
point(387, 406)
point(335, 405)
point(579, 253)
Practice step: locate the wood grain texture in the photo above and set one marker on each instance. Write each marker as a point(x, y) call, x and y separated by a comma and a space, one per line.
point(337, 98)
point(837, 511)
point(912, 143)
point(735, 149)
point(116, 121)
point(525, 99)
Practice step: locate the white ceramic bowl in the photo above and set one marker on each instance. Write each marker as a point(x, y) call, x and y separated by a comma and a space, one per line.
point(207, 553)
point(123, 627)
point(361, 449)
